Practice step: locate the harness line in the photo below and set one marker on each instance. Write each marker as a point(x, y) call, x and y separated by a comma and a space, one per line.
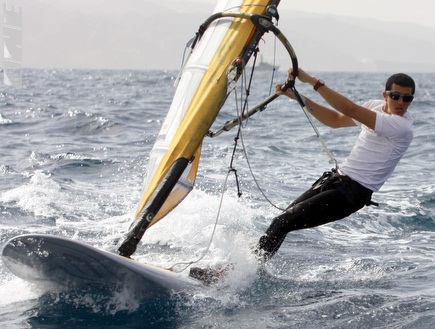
point(303, 103)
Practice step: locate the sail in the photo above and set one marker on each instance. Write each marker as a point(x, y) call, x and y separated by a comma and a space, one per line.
point(205, 82)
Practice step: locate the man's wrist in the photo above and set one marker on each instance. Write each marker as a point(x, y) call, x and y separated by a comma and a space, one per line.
point(319, 83)
point(312, 81)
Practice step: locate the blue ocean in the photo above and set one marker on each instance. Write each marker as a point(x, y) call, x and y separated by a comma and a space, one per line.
point(74, 151)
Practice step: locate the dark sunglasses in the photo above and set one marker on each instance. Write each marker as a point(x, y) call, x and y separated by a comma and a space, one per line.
point(394, 95)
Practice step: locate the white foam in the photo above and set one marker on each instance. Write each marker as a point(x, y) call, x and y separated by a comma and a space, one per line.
point(17, 290)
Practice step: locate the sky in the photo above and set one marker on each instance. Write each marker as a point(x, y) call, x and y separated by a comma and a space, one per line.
point(416, 11)
point(139, 34)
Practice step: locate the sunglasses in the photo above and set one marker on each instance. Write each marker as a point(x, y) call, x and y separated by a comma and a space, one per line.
point(394, 95)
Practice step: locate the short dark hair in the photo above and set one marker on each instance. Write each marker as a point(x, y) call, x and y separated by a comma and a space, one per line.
point(402, 80)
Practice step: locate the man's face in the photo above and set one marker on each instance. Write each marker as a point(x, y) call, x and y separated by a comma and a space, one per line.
point(395, 100)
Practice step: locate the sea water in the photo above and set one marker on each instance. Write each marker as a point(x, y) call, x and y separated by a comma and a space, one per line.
point(74, 150)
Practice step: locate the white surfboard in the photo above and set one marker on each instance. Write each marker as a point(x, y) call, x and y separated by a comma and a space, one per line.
point(75, 265)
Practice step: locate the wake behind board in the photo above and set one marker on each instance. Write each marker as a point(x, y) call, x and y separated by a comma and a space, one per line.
point(75, 265)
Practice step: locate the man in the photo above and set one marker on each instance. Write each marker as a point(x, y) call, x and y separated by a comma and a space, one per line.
point(386, 133)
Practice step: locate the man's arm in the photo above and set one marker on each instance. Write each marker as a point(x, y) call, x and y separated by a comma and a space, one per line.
point(327, 116)
point(341, 103)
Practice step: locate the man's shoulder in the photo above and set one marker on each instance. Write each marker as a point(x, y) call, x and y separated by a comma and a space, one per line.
point(374, 104)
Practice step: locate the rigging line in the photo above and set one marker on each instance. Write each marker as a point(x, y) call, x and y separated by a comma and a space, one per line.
point(274, 63)
point(303, 103)
point(243, 106)
point(187, 264)
point(186, 55)
point(224, 187)
point(231, 168)
point(254, 177)
point(240, 135)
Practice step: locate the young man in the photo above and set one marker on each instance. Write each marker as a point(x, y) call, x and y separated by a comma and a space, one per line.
point(386, 133)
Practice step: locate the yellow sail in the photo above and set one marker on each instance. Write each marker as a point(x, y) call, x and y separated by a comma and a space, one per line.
point(200, 94)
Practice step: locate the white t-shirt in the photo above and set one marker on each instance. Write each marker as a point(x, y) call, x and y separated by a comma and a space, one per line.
point(377, 152)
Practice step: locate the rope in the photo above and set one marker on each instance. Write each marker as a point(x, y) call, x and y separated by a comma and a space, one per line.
point(187, 264)
point(244, 107)
point(303, 104)
point(274, 64)
point(255, 179)
point(240, 111)
point(230, 170)
point(240, 136)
